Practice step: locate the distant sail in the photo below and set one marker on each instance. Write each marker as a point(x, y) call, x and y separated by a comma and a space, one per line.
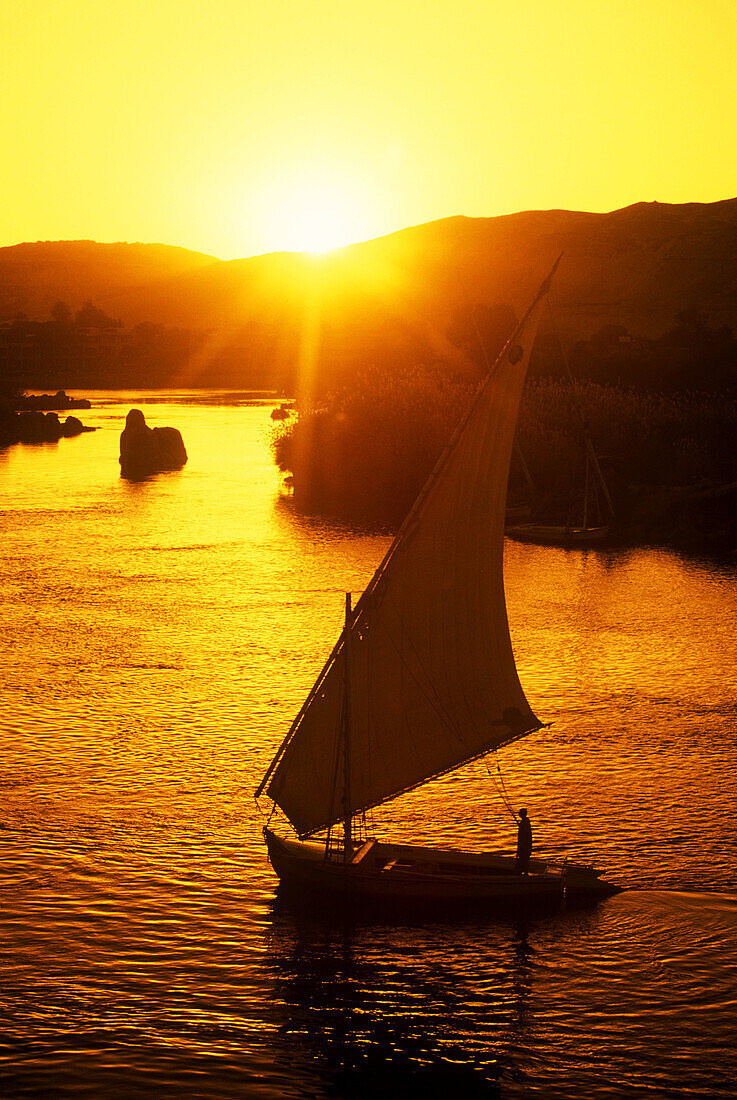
point(433, 677)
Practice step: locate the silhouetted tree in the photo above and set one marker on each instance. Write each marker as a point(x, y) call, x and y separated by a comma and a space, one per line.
point(89, 316)
point(689, 331)
point(61, 313)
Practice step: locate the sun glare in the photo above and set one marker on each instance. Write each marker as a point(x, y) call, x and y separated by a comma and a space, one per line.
point(316, 217)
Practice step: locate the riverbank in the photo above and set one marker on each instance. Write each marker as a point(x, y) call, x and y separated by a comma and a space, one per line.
point(699, 520)
point(669, 460)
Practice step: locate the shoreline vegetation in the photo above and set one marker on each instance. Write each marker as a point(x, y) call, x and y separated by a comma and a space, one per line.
point(363, 452)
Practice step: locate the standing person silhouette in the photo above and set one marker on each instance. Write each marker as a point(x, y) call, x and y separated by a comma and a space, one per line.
point(524, 843)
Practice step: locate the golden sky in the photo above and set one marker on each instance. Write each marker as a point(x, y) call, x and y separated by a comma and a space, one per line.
point(237, 127)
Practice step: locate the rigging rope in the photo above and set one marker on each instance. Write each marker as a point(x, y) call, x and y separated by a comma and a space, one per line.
point(501, 789)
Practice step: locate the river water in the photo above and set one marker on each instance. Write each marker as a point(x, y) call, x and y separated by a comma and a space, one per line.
point(157, 639)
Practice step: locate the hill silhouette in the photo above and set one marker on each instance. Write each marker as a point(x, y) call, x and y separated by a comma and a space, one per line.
point(396, 298)
point(638, 266)
point(34, 276)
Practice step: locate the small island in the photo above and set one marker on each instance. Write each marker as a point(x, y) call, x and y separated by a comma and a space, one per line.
point(33, 418)
point(47, 401)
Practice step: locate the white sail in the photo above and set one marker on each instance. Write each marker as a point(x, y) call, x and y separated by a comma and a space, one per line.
point(433, 678)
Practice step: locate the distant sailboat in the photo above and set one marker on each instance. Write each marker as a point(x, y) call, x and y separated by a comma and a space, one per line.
point(591, 526)
point(578, 532)
point(421, 680)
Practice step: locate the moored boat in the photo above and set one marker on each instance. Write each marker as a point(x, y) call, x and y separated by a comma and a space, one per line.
point(558, 535)
point(591, 527)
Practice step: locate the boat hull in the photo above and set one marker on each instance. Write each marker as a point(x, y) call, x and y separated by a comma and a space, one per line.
point(549, 535)
point(402, 875)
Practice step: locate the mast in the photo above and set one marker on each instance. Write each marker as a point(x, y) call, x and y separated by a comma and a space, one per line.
point(525, 469)
point(586, 494)
point(347, 813)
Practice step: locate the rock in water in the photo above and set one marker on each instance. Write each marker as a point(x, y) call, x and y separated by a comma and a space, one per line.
point(145, 450)
point(72, 426)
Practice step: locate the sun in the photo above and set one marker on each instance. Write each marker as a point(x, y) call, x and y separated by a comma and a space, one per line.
point(316, 216)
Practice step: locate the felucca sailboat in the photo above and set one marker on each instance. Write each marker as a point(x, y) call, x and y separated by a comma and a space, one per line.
point(421, 681)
